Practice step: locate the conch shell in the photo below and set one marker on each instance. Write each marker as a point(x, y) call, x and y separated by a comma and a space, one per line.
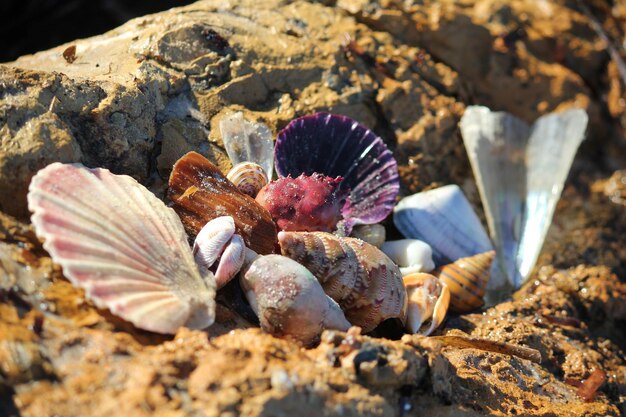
point(362, 279)
point(200, 193)
point(467, 279)
point(289, 301)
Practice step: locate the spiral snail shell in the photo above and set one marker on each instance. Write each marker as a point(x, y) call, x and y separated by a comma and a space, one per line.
point(248, 177)
point(467, 279)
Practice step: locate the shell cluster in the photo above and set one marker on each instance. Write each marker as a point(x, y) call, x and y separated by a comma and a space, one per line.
point(336, 179)
point(361, 278)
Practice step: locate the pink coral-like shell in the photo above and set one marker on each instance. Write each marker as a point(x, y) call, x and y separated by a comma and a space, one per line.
point(338, 146)
point(120, 243)
point(308, 203)
point(362, 279)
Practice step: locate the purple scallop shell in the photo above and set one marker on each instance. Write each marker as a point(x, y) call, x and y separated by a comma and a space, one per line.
point(335, 146)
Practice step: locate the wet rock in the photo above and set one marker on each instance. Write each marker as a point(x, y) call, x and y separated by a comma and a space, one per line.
point(374, 362)
point(504, 385)
point(561, 314)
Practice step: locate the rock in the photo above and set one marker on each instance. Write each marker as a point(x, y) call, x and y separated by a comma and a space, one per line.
point(509, 386)
point(561, 314)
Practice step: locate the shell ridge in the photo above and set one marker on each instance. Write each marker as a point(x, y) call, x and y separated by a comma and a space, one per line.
point(87, 213)
point(52, 223)
point(88, 251)
point(164, 224)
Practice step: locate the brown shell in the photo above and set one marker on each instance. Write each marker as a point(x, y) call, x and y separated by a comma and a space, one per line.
point(200, 193)
point(363, 280)
point(467, 279)
point(248, 177)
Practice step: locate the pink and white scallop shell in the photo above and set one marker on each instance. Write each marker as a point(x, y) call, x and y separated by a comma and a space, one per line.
point(120, 243)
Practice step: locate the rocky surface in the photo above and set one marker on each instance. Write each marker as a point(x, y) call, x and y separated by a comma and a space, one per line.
point(138, 97)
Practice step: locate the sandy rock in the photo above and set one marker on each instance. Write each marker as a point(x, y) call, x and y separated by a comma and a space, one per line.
point(506, 386)
point(561, 314)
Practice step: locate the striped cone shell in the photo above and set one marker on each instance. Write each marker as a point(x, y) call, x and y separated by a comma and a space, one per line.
point(467, 279)
point(358, 276)
point(248, 177)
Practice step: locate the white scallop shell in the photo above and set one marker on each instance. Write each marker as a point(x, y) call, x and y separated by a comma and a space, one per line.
point(445, 220)
point(520, 172)
point(120, 243)
point(411, 255)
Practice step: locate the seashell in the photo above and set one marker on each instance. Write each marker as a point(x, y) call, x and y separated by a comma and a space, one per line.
point(248, 177)
point(520, 171)
point(248, 142)
point(120, 243)
point(374, 234)
point(411, 255)
point(289, 301)
point(362, 279)
point(338, 146)
point(307, 203)
point(467, 279)
point(429, 299)
point(217, 239)
point(199, 193)
point(444, 219)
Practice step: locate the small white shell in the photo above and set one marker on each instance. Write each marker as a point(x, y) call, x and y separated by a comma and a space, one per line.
point(120, 243)
point(212, 239)
point(444, 219)
point(411, 255)
point(429, 299)
point(248, 177)
point(217, 239)
point(374, 234)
